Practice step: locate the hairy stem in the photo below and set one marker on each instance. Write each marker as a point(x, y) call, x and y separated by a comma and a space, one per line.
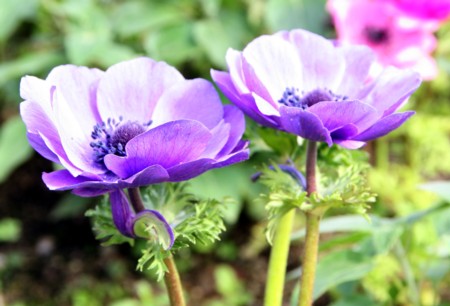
point(311, 161)
point(136, 199)
point(173, 283)
point(309, 260)
point(312, 232)
point(171, 278)
point(278, 261)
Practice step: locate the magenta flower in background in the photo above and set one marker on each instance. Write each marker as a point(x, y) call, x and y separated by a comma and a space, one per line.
point(301, 83)
point(138, 123)
point(436, 10)
point(397, 38)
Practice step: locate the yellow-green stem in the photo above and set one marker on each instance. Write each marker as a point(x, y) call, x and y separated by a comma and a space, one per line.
point(278, 261)
point(309, 262)
point(173, 283)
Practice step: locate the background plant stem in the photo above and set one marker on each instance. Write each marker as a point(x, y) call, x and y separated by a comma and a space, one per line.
point(171, 278)
point(413, 288)
point(312, 232)
point(278, 261)
point(382, 154)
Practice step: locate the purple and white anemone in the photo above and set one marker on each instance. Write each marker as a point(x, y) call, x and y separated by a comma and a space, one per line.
point(302, 83)
point(138, 123)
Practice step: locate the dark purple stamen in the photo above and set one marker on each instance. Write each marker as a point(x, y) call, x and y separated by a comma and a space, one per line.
point(376, 35)
point(123, 134)
point(316, 96)
point(291, 97)
point(111, 138)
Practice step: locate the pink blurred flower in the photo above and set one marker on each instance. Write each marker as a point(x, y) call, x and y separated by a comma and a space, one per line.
point(397, 39)
point(438, 10)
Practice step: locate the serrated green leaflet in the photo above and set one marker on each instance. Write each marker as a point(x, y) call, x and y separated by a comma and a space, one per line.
point(153, 259)
point(103, 225)
point(203, 224)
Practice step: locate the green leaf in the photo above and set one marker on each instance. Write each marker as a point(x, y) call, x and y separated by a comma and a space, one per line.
point(355, 300)
point(89, 37)
point(202, 223)
point(293, 14)
point(414, 217)
point(216, 35)
point(285, 194)
point(337, 268)
point(346, 223)
point(12, 12)
point(340, 241)
point(10, 230)
point(346, 188)
point(169, 198)
point(356, 223)
point(233, 182)
point(230, 287)
point(153, 259)
point(385, 238)
point(69, 206)
point(441, 188)
point(14, 147)
point(137, 17)
point(32, 63)
point(172, 44)
point(280, 142)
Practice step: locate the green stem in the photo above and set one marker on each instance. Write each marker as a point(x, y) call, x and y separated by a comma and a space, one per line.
point(312, 232)
point(311, 161)
point(278, 261)
point(413, 289)
point(309, 260)
point(173, 283)
point(171, 278)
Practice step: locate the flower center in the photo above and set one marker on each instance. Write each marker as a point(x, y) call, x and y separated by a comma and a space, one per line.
point(376, 35)
point(112, 136)
point(316, 96)
point(291, 97)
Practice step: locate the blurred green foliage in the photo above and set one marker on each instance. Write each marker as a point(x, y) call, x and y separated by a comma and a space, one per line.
point(401, 258)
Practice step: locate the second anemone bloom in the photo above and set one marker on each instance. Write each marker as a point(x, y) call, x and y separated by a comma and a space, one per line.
point(304, 84)
point(138, 123)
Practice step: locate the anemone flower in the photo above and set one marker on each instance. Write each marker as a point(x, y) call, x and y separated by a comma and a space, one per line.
point(396, 38)
point(138, 123)
point(301, 83)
